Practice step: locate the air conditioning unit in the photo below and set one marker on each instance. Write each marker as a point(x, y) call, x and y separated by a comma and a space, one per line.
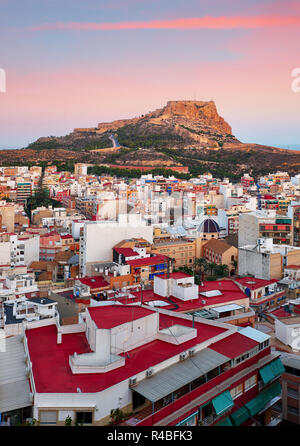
point(132, 381)
point(149, 372)
point(192, 352)
point(183, 356)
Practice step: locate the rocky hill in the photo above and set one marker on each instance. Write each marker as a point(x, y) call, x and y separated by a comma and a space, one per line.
point(183, 133)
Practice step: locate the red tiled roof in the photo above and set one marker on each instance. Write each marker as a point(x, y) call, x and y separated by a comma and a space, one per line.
point(94, 282)
point(234, 345)
point(253, 284)
point(109, 317)
point(280, 312)
point(50, 359)
point(230, 293)
point(154, 260)
point(127, 252)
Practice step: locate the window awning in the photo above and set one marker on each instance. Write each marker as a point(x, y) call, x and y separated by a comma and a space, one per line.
point(187, 419)
point(271, 371)
point(257, 404)
point(174, 377)
point(225, 422)
point(222, 402)
point(240, 416)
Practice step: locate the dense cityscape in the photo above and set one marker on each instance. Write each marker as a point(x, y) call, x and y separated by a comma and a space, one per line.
point(150, 301)
point(149, 220)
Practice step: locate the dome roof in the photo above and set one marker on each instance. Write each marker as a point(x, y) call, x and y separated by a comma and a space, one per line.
point(209, 225)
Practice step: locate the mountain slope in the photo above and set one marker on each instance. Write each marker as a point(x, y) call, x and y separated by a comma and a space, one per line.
point(183, 133)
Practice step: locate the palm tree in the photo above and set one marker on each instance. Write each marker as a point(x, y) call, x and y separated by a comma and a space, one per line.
point(200, 265)
point(212, 268)
point(222, 270)
point(234, 263)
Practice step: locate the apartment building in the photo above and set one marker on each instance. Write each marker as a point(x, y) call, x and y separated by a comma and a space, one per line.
point(24, 191)
point(247, 181)
point(266, 260)
point(18, 250)
point(265, 224)
point(158, 367)
point(182, 250)
point(290, 383)
point(263, 294)
point(221, 253)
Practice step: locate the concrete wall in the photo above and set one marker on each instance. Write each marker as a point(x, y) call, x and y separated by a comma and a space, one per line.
point(293, 257)
point(32, 250)
point(99, 239)
point(288, 334)
point(248, 229)
point(252, 263)
point(4, 253)
point(133, 334)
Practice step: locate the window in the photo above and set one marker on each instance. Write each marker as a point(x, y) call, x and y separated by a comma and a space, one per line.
point(48, 417)
point(293, 393)
point(293, 410)
point(263, 345)
point(250, 382)
point(84, 417)
point(236, 391)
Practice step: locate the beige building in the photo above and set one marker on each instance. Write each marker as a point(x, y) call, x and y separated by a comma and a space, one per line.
point(7, 212)
point(266, 260)
point(221, 253)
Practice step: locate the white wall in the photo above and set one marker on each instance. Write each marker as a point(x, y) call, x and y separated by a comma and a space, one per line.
point(253, 263)
point(4, 253)
point(288, 334)
point(32, 250)
point(248, 229)
point(99, 239)
point(133, 334)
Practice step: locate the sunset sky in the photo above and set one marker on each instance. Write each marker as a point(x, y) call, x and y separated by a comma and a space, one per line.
point(74, 63)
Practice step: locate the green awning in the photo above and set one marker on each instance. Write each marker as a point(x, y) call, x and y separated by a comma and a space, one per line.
point(271, 392)
point(271, 371)
point(222, 402)
point(240, 416)
point(257, 404)
point(225, 422)
point(182, 422)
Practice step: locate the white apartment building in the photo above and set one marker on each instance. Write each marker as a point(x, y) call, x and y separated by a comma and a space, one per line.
point(99, 238)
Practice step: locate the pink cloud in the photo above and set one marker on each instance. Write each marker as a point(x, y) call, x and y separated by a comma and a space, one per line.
point(186, 23)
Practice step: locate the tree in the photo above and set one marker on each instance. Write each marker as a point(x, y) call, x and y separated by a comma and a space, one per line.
point(68, 421)
point(200, 265)
point(117, 415)
point(221, 270)
point(234, 263)
point(212, 268)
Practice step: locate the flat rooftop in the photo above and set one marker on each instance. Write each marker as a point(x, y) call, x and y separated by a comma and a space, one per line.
point(230, 292)
point(50, 361)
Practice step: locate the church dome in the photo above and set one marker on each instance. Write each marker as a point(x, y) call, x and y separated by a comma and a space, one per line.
point(208, 226)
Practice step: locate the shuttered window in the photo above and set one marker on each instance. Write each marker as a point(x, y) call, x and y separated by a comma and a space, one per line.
point(48, 417)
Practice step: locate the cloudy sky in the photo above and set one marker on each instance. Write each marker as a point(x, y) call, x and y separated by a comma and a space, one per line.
point(74, 63)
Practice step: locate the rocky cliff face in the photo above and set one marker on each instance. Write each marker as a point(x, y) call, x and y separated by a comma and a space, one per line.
point(200, 113)
point(183, 133)
point(186, 122)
